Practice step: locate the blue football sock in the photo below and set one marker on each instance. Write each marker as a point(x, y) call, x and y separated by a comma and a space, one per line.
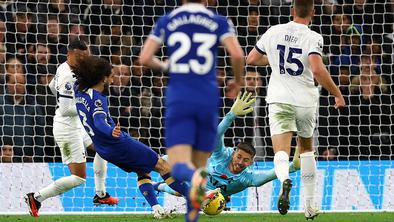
point(146, 188)
point(178, 186)
point(182, 172)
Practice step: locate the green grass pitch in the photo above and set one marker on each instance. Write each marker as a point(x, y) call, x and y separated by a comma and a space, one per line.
point(263, 217)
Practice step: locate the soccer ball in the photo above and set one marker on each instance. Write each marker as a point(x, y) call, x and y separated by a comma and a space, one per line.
point(214, 204)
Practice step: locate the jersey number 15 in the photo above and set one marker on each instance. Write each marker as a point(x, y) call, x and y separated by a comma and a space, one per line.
point(291, 60)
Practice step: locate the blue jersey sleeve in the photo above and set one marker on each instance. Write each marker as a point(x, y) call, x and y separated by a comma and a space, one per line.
point(101, 121)
point(158, 30)
point(226, 28)
point(222, 128)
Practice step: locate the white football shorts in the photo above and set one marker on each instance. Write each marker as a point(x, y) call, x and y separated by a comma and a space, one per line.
point(72, 142)
point(288, 118)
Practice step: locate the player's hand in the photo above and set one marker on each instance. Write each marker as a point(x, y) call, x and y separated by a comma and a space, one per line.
point(242, 105)
point(116, 131)
point(339, 102)
point(165, 66)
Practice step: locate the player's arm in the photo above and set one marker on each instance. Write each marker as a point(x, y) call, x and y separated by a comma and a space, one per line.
point(66, 103)
point(323, 77)
point(237, 57)
point(258, 55)
point(52, 87)
point(147, 55)
point(260, 178)
point(257, 58)
point(241, 107)
point(101, 124)
point(152, 44)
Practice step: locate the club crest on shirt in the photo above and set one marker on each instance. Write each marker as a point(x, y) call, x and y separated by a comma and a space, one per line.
point(320, 44)
point(98, 103)
point(68, 86)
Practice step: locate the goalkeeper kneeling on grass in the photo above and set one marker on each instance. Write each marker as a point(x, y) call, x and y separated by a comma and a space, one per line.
point(229, 168)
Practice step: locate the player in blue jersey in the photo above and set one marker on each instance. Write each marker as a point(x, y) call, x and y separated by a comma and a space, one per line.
point(229, 169)
point(192, 35)
point(117, 147)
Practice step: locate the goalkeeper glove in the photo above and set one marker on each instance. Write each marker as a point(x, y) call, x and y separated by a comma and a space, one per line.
point(242, 105)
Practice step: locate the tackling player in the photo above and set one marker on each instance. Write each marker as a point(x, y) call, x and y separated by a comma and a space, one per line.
point(192, 35)
point(294, 54)
point(229, 169)
point(93, 78)
point(71, 138)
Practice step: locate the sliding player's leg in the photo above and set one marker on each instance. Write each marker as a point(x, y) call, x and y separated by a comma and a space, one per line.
point(73, 154)
point(146, 188)
point(163, 167)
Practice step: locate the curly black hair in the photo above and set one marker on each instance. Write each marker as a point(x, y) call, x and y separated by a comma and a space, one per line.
point(90, 71)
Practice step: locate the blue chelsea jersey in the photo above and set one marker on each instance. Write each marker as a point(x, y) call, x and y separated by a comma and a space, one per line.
point(92, 105)
point(192, 35)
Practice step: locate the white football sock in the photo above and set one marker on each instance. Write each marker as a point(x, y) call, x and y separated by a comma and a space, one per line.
point(281, 165)
point(58, 187)
point(100, 173)
point(308, 177)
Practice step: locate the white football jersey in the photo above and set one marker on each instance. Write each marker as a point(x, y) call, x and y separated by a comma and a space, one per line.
point(66, 111)
point(288, 47)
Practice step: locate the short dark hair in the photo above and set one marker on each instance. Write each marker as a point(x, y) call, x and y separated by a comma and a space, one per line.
point(91, 70)
point(77, 44)
point(247, 147)
point(303, 7)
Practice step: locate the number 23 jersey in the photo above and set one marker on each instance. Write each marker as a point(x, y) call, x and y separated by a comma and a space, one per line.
point(192, 35)
point(288, 47)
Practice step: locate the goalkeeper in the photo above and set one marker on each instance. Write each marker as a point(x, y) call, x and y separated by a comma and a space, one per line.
point(229, 169)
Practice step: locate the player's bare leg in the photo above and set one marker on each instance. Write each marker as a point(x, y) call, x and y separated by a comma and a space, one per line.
point(78, 175)
point(198, 183)
point(199, 180)
point(308, 175)
point(100, 174)
point(281, 144)
point(183, 169)
point(163, 167)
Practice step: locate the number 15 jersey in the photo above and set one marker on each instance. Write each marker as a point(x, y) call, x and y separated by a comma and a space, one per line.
point(288, 47)
point(192, 34)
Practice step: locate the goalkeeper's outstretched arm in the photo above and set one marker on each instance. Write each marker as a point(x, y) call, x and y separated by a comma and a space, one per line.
point(242, 106)
point(258, 178)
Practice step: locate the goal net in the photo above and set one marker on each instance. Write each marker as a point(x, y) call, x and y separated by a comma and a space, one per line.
point(354, 146)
